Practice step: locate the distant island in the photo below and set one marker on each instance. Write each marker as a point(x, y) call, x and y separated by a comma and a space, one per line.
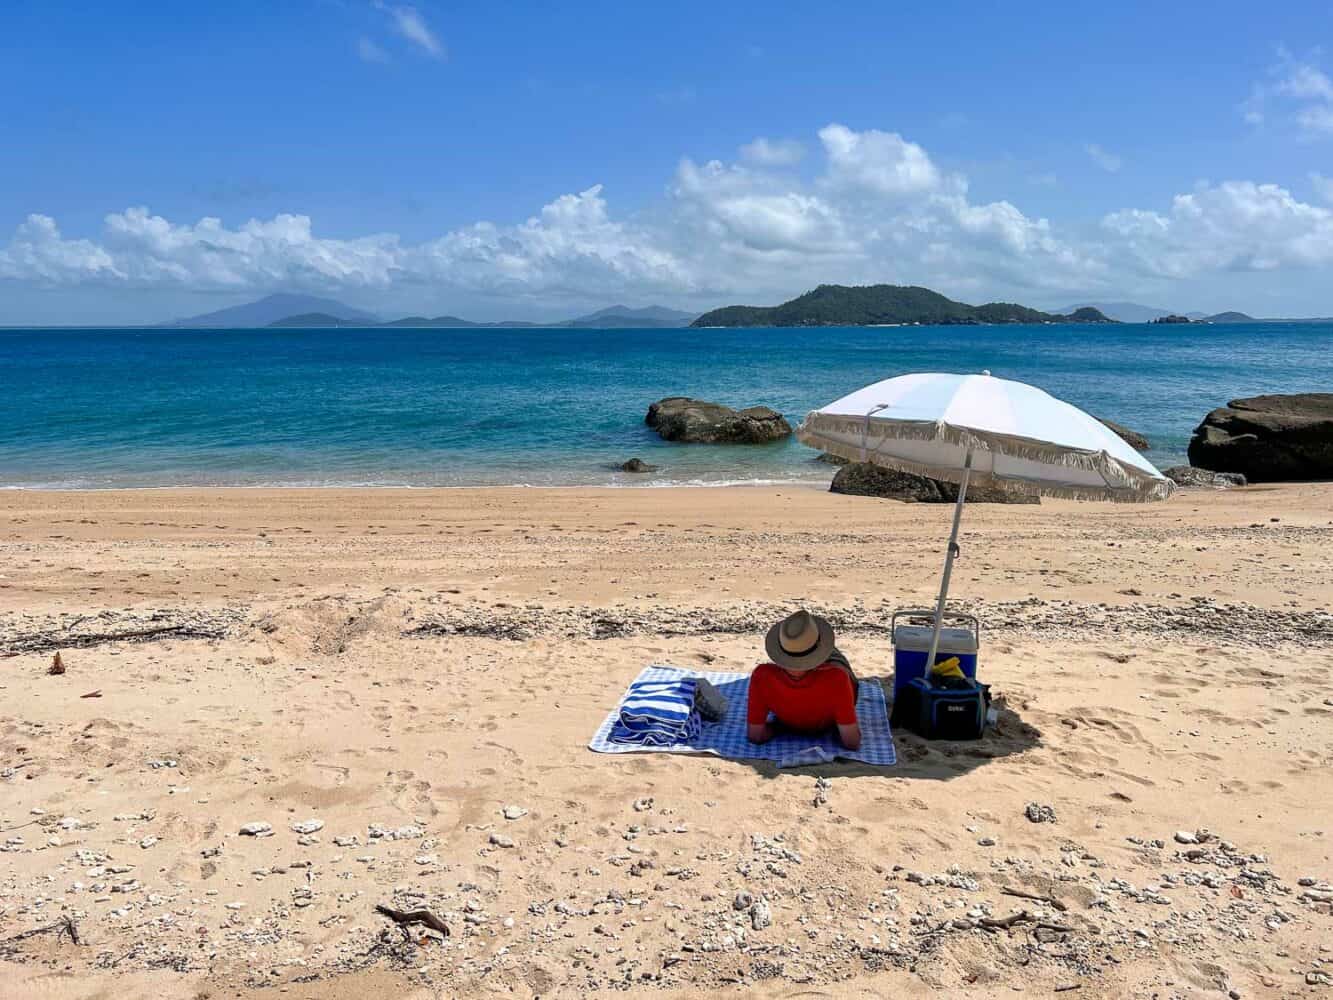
point(885, 305)
point(285, 310)
point(827, 305)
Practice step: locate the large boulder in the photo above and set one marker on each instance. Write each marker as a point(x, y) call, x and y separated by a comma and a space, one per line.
point(1133, 438)
point(865, 479)
point(679, 418)
point(1268, 438)
point(1189, 476)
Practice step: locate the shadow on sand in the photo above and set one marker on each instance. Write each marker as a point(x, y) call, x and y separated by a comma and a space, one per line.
point(932, 760)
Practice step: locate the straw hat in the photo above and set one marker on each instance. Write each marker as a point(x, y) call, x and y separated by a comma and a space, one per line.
point(800, 642)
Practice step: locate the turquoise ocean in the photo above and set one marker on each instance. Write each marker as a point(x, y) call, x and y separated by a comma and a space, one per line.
point(122, 407)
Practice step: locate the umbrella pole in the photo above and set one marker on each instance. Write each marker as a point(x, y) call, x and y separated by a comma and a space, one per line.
point(951, 554)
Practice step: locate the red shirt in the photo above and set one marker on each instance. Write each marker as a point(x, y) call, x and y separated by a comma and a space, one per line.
point(813, 699)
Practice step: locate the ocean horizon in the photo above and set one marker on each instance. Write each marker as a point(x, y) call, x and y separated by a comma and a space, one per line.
point(119, 408)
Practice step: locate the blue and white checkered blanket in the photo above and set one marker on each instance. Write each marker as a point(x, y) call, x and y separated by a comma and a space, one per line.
point(727, 738)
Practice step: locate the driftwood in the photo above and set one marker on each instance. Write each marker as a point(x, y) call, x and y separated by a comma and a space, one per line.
point(43, 643)
point(57, 665)
point(402, 917)
point(92, 694)
point(1036, 897)
point(60, 928)
point(1021, 917)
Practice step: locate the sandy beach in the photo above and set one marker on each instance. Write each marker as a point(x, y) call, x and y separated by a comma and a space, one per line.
point(397, 673)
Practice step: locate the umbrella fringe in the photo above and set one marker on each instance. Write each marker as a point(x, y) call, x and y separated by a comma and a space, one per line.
point(1139, 488)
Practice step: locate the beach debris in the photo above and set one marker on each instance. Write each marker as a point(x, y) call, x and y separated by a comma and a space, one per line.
point(92, 694)
point(513, 812)
point(1038, 812)
point(761, 915)
point(822, 786)
point(308, 826)
point(57, 665)
point(404, 917)
point(257, 829)
point(1037, 897)
point(410, 832)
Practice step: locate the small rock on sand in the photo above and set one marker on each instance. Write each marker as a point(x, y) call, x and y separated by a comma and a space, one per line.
point(1186, 837)
point(514, 812)
point(1038, 812)
point(500, 840)
point(257, 829)
point(308, 826)
point(743, 901)
point(760, 914)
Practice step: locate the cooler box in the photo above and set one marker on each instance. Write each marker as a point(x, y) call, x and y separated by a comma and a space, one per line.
point(911, 644)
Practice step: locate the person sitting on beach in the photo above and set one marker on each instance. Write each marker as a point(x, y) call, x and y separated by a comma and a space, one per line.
point(808, 686)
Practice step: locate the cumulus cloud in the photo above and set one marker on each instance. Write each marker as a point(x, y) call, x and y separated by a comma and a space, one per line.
point(881, 163)
point(1299, 91)
point(1108, 161)
point(875, 207)
point(773, 152)
point(408, 22)
point(1233, 226)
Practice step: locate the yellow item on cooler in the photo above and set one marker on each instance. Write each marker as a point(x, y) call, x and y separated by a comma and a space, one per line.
point(947, 668)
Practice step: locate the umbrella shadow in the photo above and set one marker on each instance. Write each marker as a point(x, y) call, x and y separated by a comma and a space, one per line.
point(930, 760)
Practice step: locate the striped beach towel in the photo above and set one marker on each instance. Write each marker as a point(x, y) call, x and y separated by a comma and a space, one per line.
point(657, 713)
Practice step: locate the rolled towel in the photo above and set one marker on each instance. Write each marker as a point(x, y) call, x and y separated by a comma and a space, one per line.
point(657, 713)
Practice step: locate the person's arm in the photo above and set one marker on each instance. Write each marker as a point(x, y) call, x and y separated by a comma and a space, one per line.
point(849, 727)
point(850, 735)
point(757, 729)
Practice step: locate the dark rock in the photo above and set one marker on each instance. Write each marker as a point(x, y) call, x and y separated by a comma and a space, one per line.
point(637, 465)
point(679, 418)
point(864, 479)
point(1268, 438)
point(828, 459)
point(1188, 475)
point(1133, 438)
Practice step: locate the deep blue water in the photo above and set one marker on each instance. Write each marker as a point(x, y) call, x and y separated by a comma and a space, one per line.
point(93, 408)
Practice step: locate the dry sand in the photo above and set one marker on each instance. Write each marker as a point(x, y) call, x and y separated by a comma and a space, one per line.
point(416, 661)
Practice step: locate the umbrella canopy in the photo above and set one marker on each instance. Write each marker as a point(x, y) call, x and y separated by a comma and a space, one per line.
point(1019, 437)
point(992, 431)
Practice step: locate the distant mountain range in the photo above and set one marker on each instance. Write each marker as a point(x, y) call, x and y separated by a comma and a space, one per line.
point(290, 311)
point(270, 309)
point(886, 305)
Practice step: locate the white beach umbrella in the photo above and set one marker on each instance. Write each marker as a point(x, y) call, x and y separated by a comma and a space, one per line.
point(985, 431)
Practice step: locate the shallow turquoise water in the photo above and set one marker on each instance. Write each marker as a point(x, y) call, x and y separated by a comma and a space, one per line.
point(93, 408)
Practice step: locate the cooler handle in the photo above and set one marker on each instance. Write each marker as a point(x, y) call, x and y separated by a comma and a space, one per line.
point(962, 616)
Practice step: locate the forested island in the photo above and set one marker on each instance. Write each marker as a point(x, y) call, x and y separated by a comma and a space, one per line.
point(882, 305)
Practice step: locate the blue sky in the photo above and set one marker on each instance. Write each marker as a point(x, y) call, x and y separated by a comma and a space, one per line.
point(530, 161)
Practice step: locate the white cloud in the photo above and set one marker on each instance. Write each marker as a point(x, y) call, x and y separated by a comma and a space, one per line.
point(409, 22)
point(877, 208)
point(1323, 186)
point(773, 152)
point(1108, 161)
point(1300, 90)
point(1228, 227)
point(881, 163)
point(370, 52)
